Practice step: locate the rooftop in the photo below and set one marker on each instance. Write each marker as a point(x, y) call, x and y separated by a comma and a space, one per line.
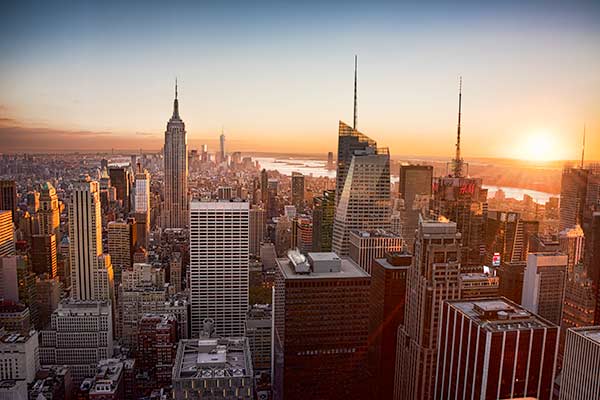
point(590, 332)
point(374, 233)
point(499, 314)
point(219, 205)
point(348, 268)
point(209, 358)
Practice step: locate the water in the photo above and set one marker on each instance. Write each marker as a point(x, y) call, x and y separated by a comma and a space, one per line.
point(317, 168)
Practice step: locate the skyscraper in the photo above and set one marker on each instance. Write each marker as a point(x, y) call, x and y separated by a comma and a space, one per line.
point(507, 237)
point(49, 212)
point(304, 232)
point(122, 237)
point(222, 157)
point(323, 213)
point(364, 202)
point(462, 199)
point(321, 318)
point(571, 244)
point(415, 189)
point(7, 239)
point(264, 183)
point(43, 255)
point(85, 238)
point(257, 229)
point(298, 191)
point(544, 285)
point(142, 205)
point(432, 278)
point(176, 209)
point(219, 266)
point(349, 141)
point(8, 197)
point(119, 179)
point(367, 245)
point(573, 193)
point(494, 349)
point(387, 301)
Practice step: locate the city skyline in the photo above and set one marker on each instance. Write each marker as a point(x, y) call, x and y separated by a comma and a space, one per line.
point(529, 77)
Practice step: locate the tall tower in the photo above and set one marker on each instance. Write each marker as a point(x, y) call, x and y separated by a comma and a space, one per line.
point(219, 264)
point(364, 201)
point(176, 210)
point(49, 212)
point(222, 146)
point(432, 278)
point(142, 205)
point(462, 199)
point(298, 191)
point(85, 238)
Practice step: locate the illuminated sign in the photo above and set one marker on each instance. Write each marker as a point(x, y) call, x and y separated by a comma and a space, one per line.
point(496, 260)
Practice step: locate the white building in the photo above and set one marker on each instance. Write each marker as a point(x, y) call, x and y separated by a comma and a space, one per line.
point(80, 335)
point(142, 192)
point(581, 364)
point(85, 238)
point(219, 266)
point(544, 285)
point(19, 357)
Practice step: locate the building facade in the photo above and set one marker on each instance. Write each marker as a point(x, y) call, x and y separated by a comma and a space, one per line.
point(432, 278)
point(494, 349)
point(219, 266)
point(321, 318)
point(176, 205)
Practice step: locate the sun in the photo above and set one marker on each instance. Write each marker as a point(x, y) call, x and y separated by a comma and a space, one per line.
point(539, 146)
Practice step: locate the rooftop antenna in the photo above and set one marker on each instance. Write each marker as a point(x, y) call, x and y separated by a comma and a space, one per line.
point(583, 148)
point(458, 161)
point(175, 88)
point(355, 101)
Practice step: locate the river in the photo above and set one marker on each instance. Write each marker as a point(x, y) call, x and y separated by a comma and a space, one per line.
point(318, 168)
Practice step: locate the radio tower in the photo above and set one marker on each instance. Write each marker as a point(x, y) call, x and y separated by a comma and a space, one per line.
point(458, 162)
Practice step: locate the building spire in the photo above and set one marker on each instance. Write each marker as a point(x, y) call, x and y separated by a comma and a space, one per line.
point(458, 161)
point(355, 101)
point(176, 103)
point(583, 148)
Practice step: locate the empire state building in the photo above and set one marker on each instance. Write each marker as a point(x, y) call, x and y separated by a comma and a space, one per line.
point(176, 207)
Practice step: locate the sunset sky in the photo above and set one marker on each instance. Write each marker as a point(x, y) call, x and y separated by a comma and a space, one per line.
point(278, 77)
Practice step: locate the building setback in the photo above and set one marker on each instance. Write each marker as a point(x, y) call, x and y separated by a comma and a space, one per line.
point(366, 246)
point(494, 349)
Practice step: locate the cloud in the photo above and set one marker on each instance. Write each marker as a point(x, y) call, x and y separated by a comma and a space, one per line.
point(145, 134)
point(24, 139)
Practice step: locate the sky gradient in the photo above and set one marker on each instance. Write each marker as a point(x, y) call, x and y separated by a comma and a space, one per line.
point(278, 76)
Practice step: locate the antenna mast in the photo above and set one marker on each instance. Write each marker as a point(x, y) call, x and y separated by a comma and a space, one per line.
point(583, 148)
point(355, 105)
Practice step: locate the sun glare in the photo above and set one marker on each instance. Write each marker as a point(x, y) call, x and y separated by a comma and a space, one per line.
point(539, 146)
